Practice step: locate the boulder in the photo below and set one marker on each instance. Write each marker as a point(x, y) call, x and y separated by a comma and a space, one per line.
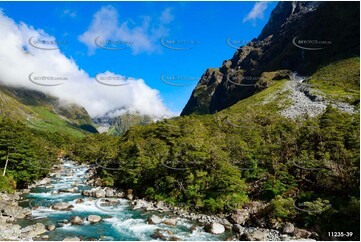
point(158, 235)
point(301, 233)
point(214, 228)
point(162, 234)
point(33, 230)
point(99, 193)
point(71, 239)
point(109, 192)
point(26, 191)
point(227, 225)
point(288, 228)
point(238, 229)
point(87, 193)
point(139, 203)
point(62, 206)
point(44, 181)
point(94, 218)
point(257, 235)
point(160, 205)
point(154, 219)
point(173, 238)
point(170, 222)
point(239, 217)
point(78, 201)
point(50, 227)
point(120, 194)
point(76, 220)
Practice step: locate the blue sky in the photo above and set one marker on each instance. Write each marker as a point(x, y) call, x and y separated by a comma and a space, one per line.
point(202, 28)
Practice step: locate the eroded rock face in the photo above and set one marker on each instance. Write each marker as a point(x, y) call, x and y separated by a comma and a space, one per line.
point(276, 50)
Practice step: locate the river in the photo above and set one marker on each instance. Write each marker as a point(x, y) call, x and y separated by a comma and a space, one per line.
point(119, 222)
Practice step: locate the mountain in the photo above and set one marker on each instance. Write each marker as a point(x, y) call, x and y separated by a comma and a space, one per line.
point(44, 112)
point(300, 37)
point(118, 125)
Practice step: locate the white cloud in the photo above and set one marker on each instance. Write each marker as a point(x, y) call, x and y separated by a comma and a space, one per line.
point(166, 16)
point(140, 38)
point(257, 11)
point(18, 59)
point(69, 13)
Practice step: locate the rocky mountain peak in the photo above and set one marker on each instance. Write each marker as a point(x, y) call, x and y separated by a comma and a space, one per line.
point(266, 58)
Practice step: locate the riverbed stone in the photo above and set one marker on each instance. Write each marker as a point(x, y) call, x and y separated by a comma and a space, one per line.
point(87, 193)
point(80, 200)
point(227, 225)
point(301, 233)
point(99, 193)
point(288, 228)
point(170, 222)
point(109, 192)
point(50, 227)
point(237, 228)
point(76, 220)
point(256, 235)
point(214, 228)
point(240, 216)
point(33, 230)
point(62, 206)
point(154, 219)
point(71, 239)
point(94, 218)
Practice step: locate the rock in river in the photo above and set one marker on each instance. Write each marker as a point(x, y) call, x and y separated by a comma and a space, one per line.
point(71, 239)
point(62, 206)
point(154, 219)
point(94, 218)
point(214, 228)
point(76, 220)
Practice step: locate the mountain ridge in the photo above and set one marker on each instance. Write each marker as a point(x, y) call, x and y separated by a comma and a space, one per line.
point(276, 50)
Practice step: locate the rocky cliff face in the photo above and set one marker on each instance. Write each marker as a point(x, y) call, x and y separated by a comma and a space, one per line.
point(299, 37)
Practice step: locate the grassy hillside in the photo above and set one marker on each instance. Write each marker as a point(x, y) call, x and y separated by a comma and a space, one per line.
point(43, 112)
point(339, 81)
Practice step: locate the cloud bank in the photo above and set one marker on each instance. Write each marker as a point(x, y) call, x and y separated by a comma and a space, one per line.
point(19, 59)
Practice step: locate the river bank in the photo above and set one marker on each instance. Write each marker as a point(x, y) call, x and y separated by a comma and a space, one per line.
point(66, 205)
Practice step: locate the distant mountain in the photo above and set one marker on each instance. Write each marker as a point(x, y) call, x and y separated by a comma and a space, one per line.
point(118, 125)
point(299, 37)
point(44, 112)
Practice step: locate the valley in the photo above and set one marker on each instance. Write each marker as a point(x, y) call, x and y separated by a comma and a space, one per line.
point(265, 149)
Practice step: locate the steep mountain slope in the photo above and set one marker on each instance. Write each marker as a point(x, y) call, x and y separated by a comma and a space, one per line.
point(44, 112)
point(299, 37)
